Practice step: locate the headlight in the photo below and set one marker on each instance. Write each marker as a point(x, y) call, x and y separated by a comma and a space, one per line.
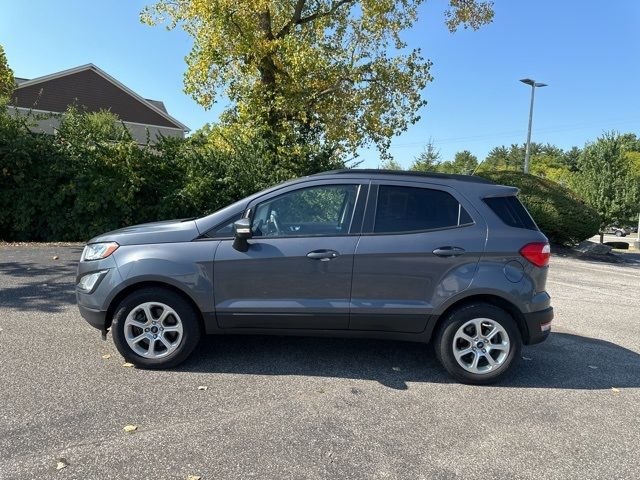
point(88, 282)
point(97, 251)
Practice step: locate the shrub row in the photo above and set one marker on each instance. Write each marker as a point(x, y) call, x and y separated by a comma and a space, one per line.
point(563, 217)
point(92, 177)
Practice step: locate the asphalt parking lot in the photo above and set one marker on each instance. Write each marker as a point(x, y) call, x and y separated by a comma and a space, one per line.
point(315, 408)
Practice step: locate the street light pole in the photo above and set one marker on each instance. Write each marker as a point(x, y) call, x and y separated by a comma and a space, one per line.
point(533, 84)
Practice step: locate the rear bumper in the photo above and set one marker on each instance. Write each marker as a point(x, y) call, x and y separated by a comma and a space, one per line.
point(96, 318)
point(538, 325)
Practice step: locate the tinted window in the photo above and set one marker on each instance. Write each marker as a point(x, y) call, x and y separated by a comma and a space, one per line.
point(511, 212)
point(406, 209)
point(323, 210)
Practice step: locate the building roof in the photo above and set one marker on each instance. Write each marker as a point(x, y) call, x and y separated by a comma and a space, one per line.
point(158, 104)
point(90, 87)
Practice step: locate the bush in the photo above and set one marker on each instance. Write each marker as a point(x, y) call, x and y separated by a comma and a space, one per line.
point(92, 177)
point(563, 217)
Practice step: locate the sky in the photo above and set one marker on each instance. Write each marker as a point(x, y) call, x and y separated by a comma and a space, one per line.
point(586, 50)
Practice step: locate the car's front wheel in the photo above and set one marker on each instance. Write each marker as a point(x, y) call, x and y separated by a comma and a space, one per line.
point(155, 328)
point(478, 343)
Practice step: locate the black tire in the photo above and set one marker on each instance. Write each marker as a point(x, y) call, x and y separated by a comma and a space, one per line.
point(191, 329)
point(619, 233)
point(443, 342)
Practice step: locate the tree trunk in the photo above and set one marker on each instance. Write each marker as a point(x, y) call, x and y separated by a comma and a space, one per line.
point(602, 237)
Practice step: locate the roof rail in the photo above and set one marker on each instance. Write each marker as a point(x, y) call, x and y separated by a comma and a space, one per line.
point(375, 171)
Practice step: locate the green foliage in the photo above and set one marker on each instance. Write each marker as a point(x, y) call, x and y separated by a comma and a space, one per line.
point(93, 177)
point(563, 217)
point(607, 180)
point(464, 163)
point(428, 160)
point(7, 81)
point(512, 157)
point(336, 69)
point(390, 164)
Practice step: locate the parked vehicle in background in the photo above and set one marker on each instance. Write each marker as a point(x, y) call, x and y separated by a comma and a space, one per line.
point(452, 259)
point(619, 231)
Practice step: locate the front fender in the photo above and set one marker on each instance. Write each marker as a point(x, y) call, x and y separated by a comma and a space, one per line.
point(187, 266)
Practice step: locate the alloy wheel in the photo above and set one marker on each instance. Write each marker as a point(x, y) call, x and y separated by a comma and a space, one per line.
point(153, 330)
point(481, 345)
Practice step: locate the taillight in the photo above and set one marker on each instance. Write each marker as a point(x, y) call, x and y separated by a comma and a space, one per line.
point(537, 253)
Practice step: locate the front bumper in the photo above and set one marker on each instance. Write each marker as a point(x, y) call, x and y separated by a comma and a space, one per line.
point(538, 325)
point(95, 318)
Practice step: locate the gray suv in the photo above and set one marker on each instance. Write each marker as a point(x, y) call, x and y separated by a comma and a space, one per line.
point(452, 259)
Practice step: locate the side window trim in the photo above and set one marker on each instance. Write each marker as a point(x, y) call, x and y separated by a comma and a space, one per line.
point(372, 205)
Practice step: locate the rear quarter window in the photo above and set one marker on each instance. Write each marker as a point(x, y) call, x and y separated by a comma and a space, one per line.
point(511, 212)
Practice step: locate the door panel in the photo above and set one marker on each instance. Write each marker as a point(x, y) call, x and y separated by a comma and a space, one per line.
point(297, 270)
point(274, 284)
point(397, 279)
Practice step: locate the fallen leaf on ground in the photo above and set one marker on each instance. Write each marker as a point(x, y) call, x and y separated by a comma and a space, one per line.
point(62, 463)
point(130, 428)
point(395, 369)
point(127, 365)
point(202, 387)
point(527, 358)
point(615, 390)
point(106, 356)
point(56, 257)
point(592, 367)
point(194, 477)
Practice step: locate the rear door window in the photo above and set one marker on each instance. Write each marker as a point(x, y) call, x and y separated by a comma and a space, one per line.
point(410, 209)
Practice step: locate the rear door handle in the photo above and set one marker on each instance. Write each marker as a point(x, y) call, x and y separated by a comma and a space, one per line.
point(448, 251)
point(323, 255)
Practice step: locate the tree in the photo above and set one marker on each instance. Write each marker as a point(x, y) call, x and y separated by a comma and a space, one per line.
point(570, 159)
point(631, 142)
point(606, 180)
point(390, 164)
point(512, 157)
point(428, 160)
point(551, 167)
point(7, 81)
point(335, 69)
point(463, 163)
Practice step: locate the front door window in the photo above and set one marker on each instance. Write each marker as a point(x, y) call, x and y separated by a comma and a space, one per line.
point(313, 211)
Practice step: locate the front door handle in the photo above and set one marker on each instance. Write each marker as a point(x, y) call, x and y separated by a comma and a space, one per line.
point(448, 251)
point(323, 255)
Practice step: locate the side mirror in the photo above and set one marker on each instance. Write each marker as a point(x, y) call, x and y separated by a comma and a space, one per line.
point(242, 232)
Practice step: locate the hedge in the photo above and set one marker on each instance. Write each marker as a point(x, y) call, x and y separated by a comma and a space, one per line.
point(92, 177)
point(560, 213)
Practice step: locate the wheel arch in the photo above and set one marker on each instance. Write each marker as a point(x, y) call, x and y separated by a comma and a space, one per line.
point(491, 299)
point(133, 287)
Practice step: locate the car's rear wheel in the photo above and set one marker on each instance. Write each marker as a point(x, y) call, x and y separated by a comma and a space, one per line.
point(155, 328)
point(478, 343)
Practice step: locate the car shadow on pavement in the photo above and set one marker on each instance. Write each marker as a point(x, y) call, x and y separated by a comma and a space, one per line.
point(564, 361)
point(33, 287)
